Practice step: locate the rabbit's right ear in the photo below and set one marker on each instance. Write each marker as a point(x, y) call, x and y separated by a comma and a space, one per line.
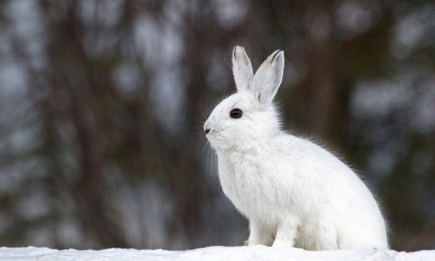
point(242, 68)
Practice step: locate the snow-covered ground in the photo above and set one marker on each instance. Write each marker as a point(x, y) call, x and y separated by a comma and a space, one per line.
point(209, 254)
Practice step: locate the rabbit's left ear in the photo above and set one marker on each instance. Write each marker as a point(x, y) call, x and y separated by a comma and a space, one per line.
point(268, 78)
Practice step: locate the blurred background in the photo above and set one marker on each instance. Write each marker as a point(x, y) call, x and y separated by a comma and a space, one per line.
point(102, 105)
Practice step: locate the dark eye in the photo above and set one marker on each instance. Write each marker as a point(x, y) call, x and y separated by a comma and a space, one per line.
point(236, 113)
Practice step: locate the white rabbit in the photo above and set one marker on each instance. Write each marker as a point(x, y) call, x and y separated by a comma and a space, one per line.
point(293, 192)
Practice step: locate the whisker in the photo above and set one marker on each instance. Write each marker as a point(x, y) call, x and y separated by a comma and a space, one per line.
point(205, 118)
point(200, 121)
point(205, 145)
point(199, 126)
point(211, 162)
point(200, 130)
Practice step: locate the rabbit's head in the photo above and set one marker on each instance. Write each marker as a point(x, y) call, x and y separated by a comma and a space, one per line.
point(248, 116)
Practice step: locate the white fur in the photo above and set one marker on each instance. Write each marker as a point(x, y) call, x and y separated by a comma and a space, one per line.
point(293, 192)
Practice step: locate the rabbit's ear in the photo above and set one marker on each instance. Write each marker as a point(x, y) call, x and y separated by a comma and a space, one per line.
point(268, 78)
point(242, 68)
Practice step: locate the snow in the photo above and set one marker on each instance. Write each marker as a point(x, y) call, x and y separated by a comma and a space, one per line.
point(215, 253)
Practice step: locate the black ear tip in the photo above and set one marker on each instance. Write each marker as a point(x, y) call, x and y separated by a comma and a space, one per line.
point(277, 52)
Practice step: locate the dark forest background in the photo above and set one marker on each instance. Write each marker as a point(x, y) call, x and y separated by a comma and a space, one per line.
point(102, 105)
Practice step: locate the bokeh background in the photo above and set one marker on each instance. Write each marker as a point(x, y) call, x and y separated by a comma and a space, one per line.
point(102, 105)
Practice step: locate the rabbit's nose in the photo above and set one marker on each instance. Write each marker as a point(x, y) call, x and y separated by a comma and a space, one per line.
point(207, 131)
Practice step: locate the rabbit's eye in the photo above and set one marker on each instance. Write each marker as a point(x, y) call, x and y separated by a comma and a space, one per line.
point(236, 113)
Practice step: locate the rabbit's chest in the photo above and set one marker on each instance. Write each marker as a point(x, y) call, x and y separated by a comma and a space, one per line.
point(247, 184)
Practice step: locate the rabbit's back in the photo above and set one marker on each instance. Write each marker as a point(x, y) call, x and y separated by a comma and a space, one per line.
point(339, 202)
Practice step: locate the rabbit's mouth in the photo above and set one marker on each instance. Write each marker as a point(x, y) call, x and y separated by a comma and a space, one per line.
point(214, 138)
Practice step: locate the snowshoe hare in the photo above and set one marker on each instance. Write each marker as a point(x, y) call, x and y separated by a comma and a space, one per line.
point(293, 192)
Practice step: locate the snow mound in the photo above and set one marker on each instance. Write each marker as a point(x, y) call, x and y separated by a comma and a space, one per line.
point(209, 254)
